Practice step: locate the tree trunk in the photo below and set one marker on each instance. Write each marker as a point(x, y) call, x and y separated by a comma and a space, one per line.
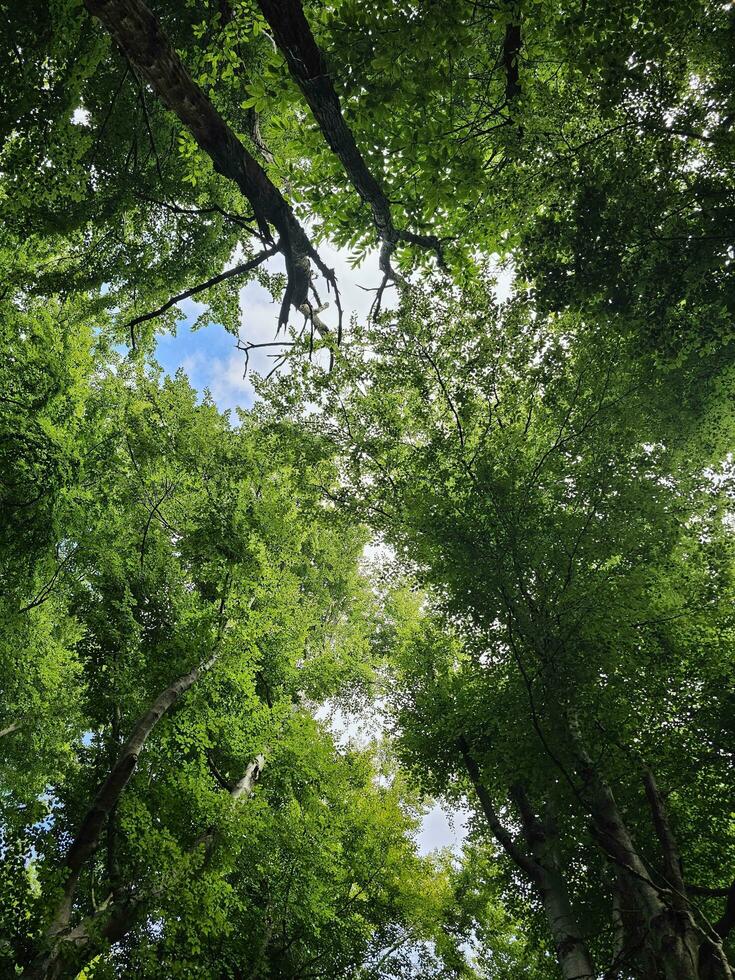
point(542, 870)
point(88, 836)
point(713, 962)
point(673, 938)
point(541, 838)
point(81, 944)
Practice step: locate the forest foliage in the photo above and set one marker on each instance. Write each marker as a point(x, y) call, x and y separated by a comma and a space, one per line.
point(546, 638)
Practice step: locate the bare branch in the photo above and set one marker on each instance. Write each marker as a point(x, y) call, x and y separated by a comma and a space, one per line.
point(238, 270)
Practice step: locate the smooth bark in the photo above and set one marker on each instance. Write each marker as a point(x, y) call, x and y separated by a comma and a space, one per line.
point(88, 836)
point(12, 728)
point(667, 923)
point(542, 869)
point(541, 838)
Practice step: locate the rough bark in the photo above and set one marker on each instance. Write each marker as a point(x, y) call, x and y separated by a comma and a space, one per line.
point(308, 68)
point(141, 38)
point(306, 64)
point(511, 50)
point(542, 869)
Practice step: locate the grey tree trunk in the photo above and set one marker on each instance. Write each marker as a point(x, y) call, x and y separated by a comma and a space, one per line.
point(88, 836)
point(541, 868)
point(673, 939)
point(541, 838)
point(79, 945)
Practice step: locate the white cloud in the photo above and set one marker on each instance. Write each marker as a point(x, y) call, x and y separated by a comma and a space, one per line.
point(210, 358)
point(80, 117)
point(442, 827)
point(228, 384)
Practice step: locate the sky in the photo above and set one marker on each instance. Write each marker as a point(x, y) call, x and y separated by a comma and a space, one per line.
point(210, 357)
point(211, 360)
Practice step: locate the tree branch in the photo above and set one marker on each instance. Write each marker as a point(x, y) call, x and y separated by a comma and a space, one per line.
point(87, 838)
point(541, 836)
point(141, 38)
point(47, 589)
point(112, 922)
point(309, 70)
point(672, 861)
point(245, 785)
point(519, 857)
point(726, 922)
point(11, 728)
point(710, 892)
point(512, 43)
point(238, 270)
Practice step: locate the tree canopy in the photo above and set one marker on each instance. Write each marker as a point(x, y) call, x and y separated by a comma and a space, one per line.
point(545, 638)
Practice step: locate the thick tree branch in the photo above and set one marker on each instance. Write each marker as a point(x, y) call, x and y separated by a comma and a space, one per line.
point(308, 68)
point(512, 43)
point(141, 38)
point(257, 137)
point(112, 922)
point(246, 784)
point(541, 868)
point(214, 769)
point(87, 838)
point(504, 838)
point(710, 892)
point(672, 861)
point(13, 727)
point(726, 922)
point(664, 916)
